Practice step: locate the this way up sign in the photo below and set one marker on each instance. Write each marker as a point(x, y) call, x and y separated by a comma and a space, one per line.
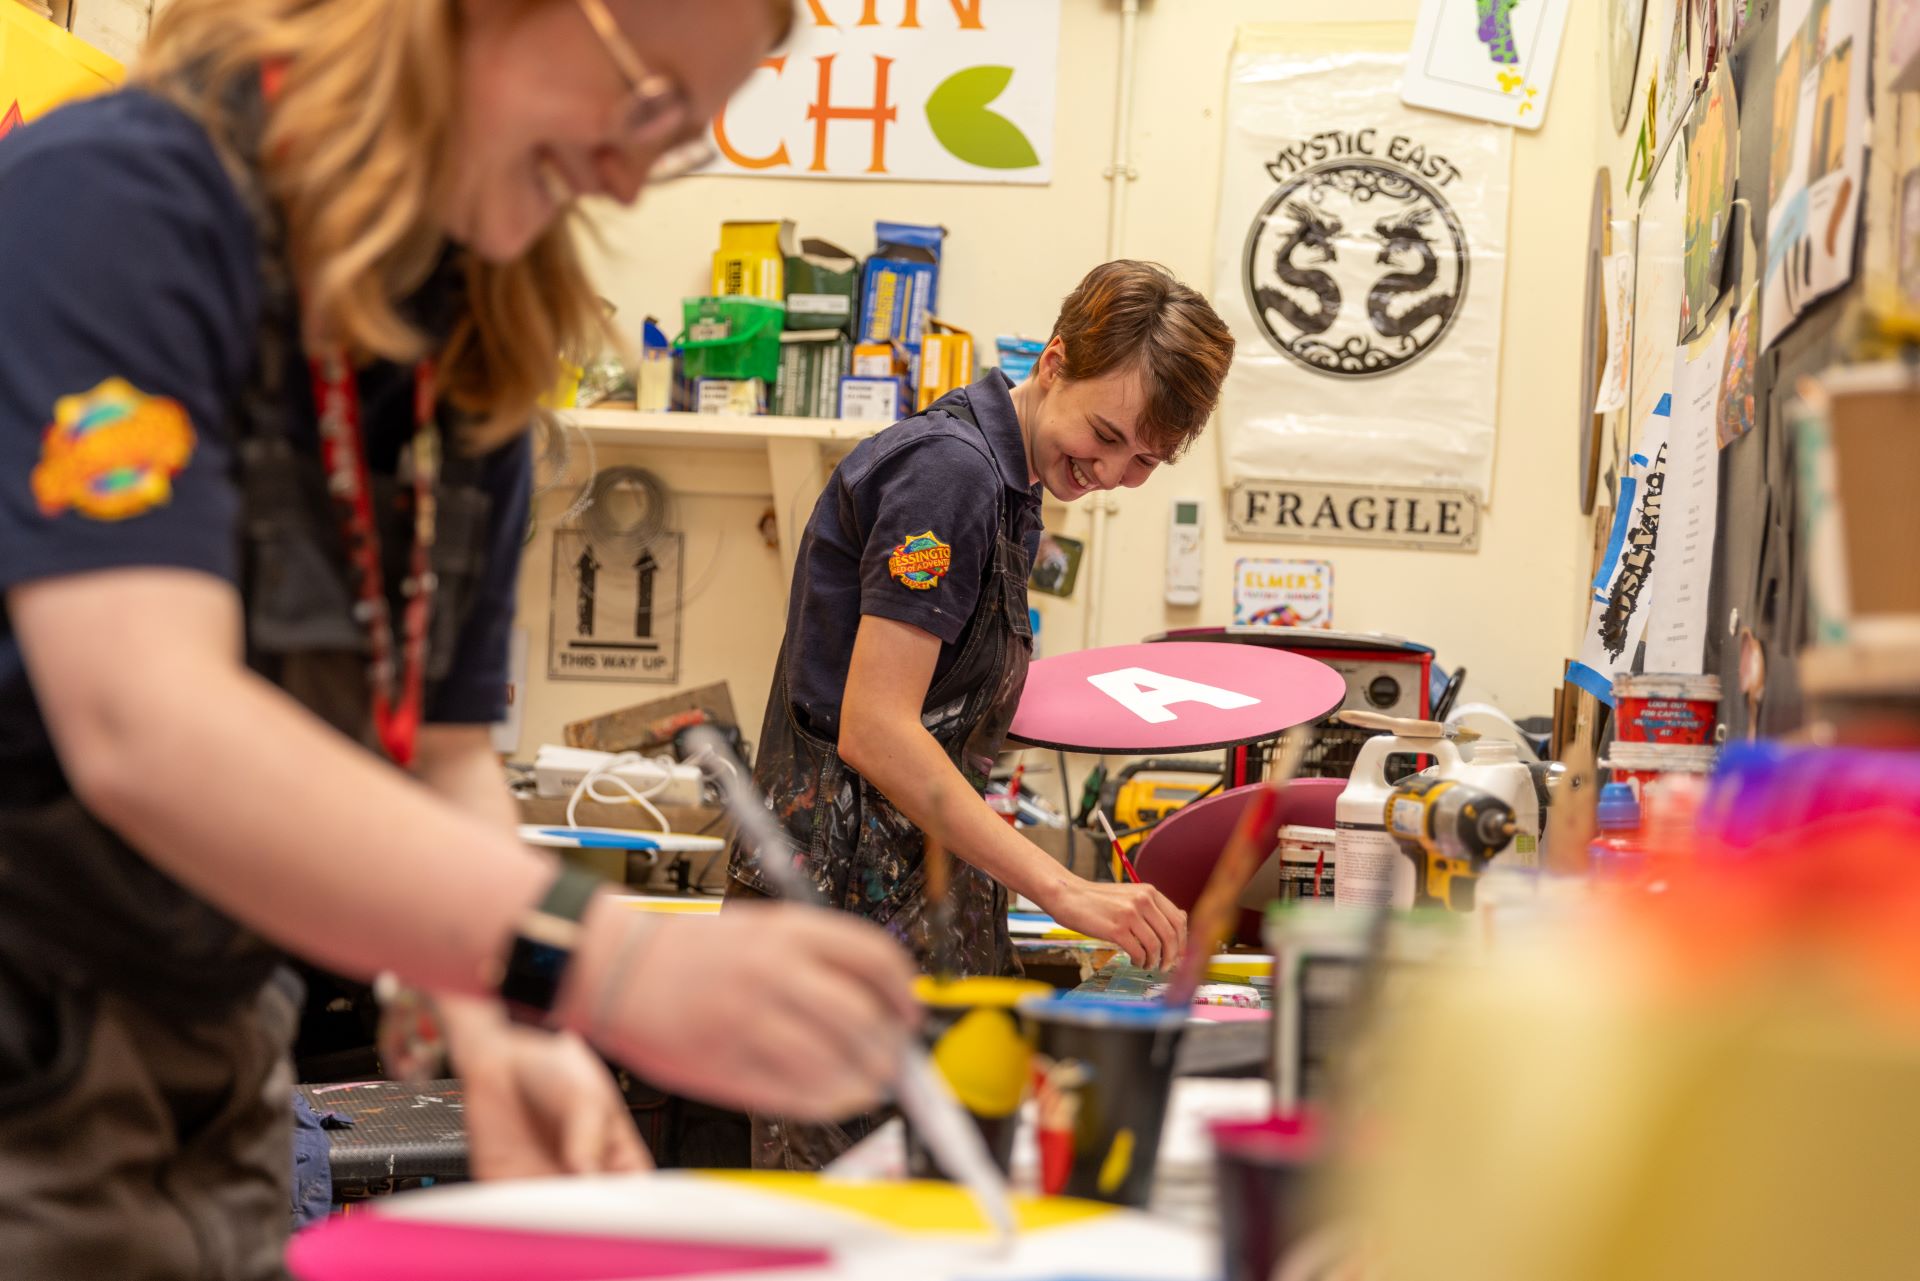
point(615, 618)
point(1171, 697)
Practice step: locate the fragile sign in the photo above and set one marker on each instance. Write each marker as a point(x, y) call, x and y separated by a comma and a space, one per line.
point(615, 618)
point(1380, 515)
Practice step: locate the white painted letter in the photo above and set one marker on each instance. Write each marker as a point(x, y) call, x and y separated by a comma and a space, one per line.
point(1148, 694)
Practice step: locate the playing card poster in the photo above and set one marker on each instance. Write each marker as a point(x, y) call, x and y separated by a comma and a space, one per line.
point(1360, 261)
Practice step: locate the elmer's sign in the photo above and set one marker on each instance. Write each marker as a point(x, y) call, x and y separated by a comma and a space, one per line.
point(935, 90)
point(1381, 515)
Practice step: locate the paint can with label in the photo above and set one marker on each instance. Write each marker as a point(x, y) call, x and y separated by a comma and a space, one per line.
point(1372, 870)
point(1308, 859)
point(1677, 710)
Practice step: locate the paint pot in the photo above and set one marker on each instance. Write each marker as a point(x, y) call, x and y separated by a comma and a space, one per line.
point(1102, 1073)
point(1308, 859)
point(1641, 763)
point(1268, 1195)
point(1319, 967)
point(1680, 710)
point(981, 1048)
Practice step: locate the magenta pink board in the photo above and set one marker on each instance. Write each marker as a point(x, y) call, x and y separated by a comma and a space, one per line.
point(371, 1247)
point(1181, 696)
point(1178, 856)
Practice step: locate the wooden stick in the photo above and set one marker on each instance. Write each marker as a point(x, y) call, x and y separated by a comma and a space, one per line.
point(1214, 913)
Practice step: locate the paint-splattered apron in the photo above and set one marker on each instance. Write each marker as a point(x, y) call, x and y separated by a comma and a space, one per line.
point(865, 856)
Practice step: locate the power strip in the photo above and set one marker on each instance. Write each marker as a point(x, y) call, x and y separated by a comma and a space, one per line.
point(558, 770)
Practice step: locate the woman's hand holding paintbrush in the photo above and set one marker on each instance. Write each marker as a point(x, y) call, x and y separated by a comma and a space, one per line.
point(948, 1132)
point(1219, 903)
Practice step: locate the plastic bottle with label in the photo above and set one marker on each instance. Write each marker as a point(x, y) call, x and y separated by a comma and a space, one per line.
point(1494, 766)
point(1617, 851)
point(1371, 870)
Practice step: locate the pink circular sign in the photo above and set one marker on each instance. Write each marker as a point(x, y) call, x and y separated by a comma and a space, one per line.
point(1131, 700)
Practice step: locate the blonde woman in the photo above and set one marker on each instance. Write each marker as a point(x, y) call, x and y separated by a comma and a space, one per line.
point(275, 315)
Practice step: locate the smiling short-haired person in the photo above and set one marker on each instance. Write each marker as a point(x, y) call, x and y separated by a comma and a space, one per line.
point(276, 316)
point(908, 640)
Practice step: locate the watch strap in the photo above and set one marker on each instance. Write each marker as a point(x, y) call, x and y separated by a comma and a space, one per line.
point(543, 947)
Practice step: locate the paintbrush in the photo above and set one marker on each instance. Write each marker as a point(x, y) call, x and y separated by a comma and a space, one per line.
point(944, 1127)
point(1120, 858)
point(1213, 914)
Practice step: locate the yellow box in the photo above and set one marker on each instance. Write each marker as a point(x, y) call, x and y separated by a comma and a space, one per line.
point(752, 260)
point(946, 362)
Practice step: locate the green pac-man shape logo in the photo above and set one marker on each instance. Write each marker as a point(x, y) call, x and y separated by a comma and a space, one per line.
point(961, 119)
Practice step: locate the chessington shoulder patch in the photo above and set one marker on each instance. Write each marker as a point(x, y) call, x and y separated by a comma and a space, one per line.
point(111, 453)
point(920, 561)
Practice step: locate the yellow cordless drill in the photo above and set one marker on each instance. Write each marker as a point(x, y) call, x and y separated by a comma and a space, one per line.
point(1451, 832)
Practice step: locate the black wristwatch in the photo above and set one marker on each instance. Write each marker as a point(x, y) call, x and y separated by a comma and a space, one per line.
point(543, 948)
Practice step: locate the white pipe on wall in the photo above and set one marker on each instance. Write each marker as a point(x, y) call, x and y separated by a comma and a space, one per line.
point(1119, 174)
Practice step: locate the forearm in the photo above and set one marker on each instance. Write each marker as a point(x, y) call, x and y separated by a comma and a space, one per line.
point(238, 792)
point(907, 764)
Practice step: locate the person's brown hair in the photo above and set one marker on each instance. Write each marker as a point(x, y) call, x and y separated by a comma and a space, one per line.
point(355, 153)
point(1129, 314)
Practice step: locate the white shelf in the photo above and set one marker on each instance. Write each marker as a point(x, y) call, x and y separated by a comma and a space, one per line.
point(714, 431)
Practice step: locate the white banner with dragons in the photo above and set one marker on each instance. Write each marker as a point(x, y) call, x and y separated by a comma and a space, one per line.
point(1360, 262)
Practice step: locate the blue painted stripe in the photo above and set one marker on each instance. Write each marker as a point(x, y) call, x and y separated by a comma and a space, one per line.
point(1593, 682)
point(1618, 537)
point(601, 840)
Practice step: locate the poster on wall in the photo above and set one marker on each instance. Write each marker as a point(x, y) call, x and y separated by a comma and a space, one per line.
point(931, 90)
point(41, 66)
point(1282, 593)
point(1819, 156)
point(1712, 142)
point(1625, 18)
point(1621, 599)
point(1360, 261)
point(1486, 59)
point(616, 618)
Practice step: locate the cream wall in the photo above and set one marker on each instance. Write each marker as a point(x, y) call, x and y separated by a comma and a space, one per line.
point(1508, 613)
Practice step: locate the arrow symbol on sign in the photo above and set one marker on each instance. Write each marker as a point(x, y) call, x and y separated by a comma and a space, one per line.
point(648, 567)
point(588, 570)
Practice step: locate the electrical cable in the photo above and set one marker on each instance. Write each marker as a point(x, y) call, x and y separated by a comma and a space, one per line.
point(1066, 807)
point(639, 492)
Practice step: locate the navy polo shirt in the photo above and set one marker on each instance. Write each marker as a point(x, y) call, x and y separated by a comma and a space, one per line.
point(129, 301)
point(905, 530)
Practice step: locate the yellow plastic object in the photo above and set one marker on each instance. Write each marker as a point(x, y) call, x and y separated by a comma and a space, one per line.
point(750, 261)
point(1151, 795)
point(567, 390)
point(1239, 967)
point(42, 66)
point(918, 1205)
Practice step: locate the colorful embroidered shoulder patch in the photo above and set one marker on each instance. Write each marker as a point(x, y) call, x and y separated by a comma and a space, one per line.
point(111, 453)
point(921, 561)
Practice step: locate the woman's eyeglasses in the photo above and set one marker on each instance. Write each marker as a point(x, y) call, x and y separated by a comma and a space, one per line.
point(654, 94)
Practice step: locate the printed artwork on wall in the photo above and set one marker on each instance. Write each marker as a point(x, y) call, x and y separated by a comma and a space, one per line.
point(1820, 128)
point(1712, 137)
point(933, 90)
point(1624, 23)
point(1487, 59)
point(1361, 244)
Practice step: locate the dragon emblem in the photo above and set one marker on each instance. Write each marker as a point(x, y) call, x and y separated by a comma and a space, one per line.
point(1312, 231)
point(1359, 313)
point(1402, 301)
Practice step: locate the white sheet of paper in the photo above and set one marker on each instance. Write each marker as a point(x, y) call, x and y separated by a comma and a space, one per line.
point(1494, 66)
point(1622, 596)
point(1683, 571)
point(1617, 274)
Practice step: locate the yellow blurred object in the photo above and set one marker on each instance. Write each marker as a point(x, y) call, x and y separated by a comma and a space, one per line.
point(752, 260)
point(946, 361)
point(42, 66)
point(1566, 1113)
point(567, 390)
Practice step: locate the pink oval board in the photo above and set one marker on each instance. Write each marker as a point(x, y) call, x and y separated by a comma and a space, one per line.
point(1178, 856)
point(1133, 700)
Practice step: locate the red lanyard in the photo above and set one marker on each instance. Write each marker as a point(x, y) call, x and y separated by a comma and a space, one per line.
point(336, 397)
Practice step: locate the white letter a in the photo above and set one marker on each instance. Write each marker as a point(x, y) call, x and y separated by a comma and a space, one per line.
point(1148, 694)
